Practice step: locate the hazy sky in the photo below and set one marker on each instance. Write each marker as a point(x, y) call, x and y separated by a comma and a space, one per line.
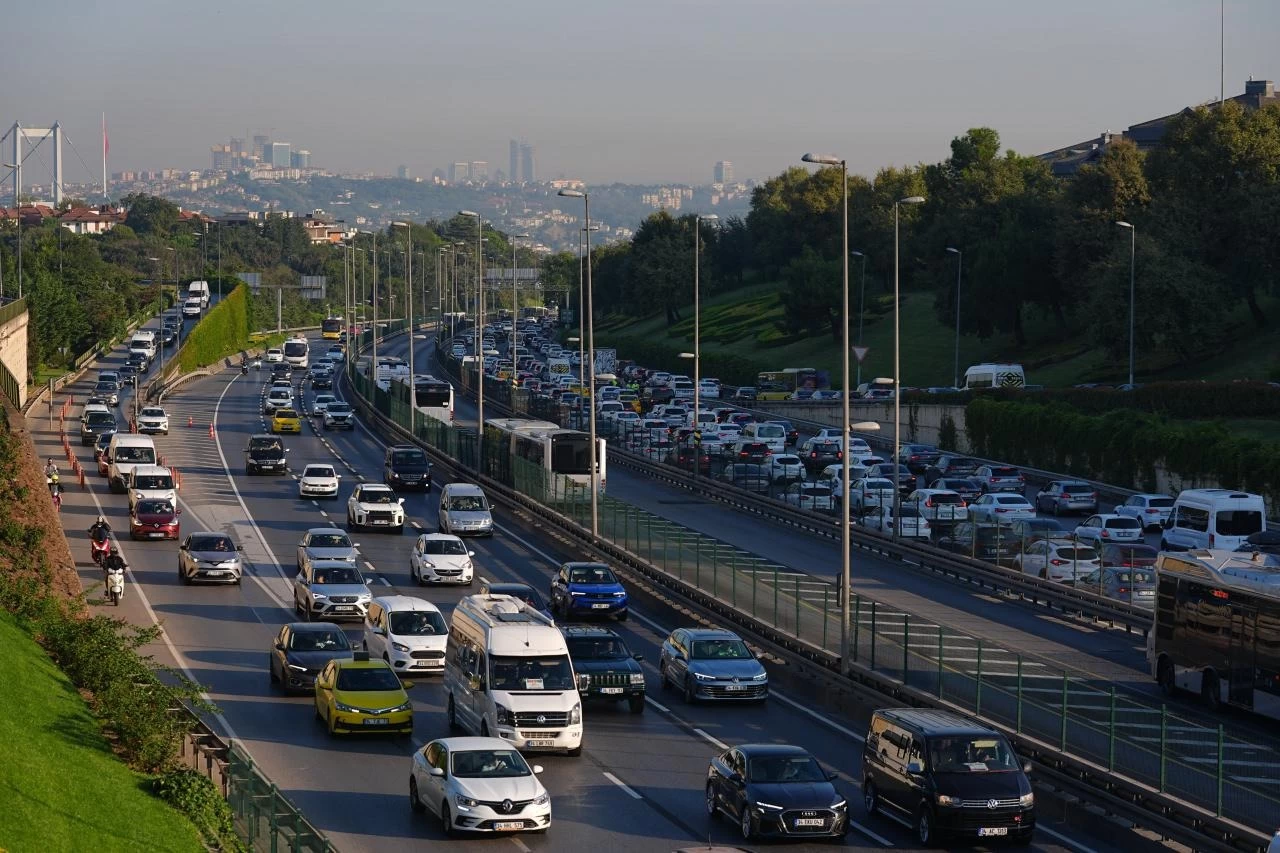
point(611, 90)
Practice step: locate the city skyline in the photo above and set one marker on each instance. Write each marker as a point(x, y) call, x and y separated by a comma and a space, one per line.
point(773, 83)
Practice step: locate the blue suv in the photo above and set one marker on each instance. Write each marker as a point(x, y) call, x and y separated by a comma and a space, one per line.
point(587, 589)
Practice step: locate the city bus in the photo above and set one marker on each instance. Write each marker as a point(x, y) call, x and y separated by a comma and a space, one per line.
point(296, 350)
point(1216, 630)
point(331, 328)
point(780, 384)
point(434, 398)
point(562, 455)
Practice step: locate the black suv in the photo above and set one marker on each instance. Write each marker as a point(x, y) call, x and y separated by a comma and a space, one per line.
point(918, 457)
point(606, 668)
point(406, 467)
point(821, 454)
point(264, 453)
point(946, 776)
point(94, 424)
point(139, 361)
point(995, 543)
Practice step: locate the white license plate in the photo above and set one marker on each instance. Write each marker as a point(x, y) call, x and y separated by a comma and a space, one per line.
point(599, 607)
point(508, 825)
point(542, 742)
point(156, 535)
point(377, 721)
point(993, 830)
point(809, 821)
point(343, 608)
point(735, 687)
point(215, 574)
point(380, 521)
point(611, 691)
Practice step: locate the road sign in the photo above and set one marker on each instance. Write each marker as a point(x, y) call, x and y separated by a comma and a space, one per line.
point(860, 353)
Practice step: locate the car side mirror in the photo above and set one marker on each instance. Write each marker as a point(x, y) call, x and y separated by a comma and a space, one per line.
point(475, 682)
point(679, 655)
point(182, 547)
point(400, 501)
point(239, 547)
point(337, 476)
point(279, 647)
point(439, 771)
point(735, 777)
point(178, 511)
point(831, 777)
point(471, 553)
point(637, 657)
point(914, 768)
point(1026, 767)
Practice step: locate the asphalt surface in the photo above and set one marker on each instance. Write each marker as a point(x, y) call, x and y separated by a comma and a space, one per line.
point(638, 785)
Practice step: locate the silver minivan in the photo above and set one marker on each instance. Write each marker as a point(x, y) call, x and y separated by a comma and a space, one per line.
point(465, 511)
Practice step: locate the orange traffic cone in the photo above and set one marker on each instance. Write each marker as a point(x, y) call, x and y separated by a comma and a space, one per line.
point(210, 430)
point(191, 421)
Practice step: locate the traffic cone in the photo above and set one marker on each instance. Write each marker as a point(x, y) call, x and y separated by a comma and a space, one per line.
point(191, 421)
point(210, 430)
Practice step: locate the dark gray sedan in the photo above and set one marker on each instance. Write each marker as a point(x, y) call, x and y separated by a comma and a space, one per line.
point(209, 557)
point(301, 649)
point(326, 543)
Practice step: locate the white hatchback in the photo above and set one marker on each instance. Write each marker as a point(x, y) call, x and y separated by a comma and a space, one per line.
point(318, 481)
point(441, 558)
point(1057, 560)
point(274, 356)
point(322, 401)
point(1001, 507)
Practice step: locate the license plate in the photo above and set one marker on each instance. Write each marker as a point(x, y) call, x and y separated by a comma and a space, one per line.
point(611, 691)
point(508, 825)
point(809, 821)
point(343, 608)
point(376, 721)
point(735, 687)
point(156, 535)
point(541, 742)
point(599, 607)
point(216, 574)
point(380, 521)
point(993, 830)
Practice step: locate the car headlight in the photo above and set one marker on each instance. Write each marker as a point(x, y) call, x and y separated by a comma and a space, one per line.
point(404, 706)
point(400, 647)
point(428, 564)
point(542, 799)
point(702, 677)
point(466, 802)
point(619, 595)
point(838, 805)
point(504, 715)
point(944, 800)
point(365, 596)
point(342, 706)
point(395, 476)
point(318, 596)
point(762, 806)
point(575, 716)
point(467, 565)
point(761, 677)
point(1027, 800)
point(297, 668)
point(637, 678)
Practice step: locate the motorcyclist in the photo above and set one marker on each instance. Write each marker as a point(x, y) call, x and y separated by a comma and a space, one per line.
point(113, 562)
point(100, 531)
point(51, 476)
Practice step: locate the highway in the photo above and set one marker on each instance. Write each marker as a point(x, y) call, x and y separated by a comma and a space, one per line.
point(638, 785)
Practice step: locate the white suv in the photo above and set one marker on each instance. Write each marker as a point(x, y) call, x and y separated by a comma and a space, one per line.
point(406, 632)
point(278, 398)
point(375, 505)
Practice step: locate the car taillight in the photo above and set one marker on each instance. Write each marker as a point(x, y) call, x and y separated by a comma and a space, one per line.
point(1123, 589)
point(813, 454)
point(1000, 509)
point(928, 501)
point(1106, 534)
point(1152, 511)
point(1055, 561)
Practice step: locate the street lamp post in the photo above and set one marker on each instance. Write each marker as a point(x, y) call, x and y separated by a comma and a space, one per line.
point(591, 352)
point(515, 304)
point(408, 302)
point(697, 337)
point(1133, 246)
point(479, 362)
point(897, 368)
point(955, 382)
point(862, 305)
point(17, 211)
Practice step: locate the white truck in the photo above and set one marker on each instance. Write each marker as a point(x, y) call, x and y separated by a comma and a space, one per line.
point(199, 290)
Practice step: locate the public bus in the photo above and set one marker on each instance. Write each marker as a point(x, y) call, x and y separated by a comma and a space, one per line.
point(1216, 631)
point(562, 455)
point(331, 328)
point(296, 351)
point(434, 398)
point(780, 384)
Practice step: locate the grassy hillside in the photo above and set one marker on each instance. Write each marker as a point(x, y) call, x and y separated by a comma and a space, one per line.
point(745, 323)
point(60, 786)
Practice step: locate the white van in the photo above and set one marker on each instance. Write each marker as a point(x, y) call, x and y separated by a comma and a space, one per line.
point(507, 674)
point(199, 290)
point(151, 481)
point(771, 434)
point(144, 342)
point(994, 376)
point(464, 510)
point(409, 633)
point(124, 452)
point(1213, 518)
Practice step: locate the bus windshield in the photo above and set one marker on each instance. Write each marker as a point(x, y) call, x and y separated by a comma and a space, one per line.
point(295, 349)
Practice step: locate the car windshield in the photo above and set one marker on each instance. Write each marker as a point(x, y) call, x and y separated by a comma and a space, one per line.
point(488, 764)
point(878, 485)
point(520, 591)
point(318, 471)
point(552, 672)
point(339, 408)
point(959, 485)
point(152, 413)
point(1128, 553)
point(597, 648)
point(135, 454)
point(720, 650)
point(328, 540)
point(282, 414)
point(417, 623)
point(591, 574)
point(265, 444)
point(377, 496)
point(408, 457)
point(155, 507)
point(338, 575)
point(466, 503)
point(971, 755)
point(784, 768)
point(318, 641)
point(154, 481)
point(1160, 503)
point(211, 543)
point(370, 679)
point(816, 491)
point(447, 547)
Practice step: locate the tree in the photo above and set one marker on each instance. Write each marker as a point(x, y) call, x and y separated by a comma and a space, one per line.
point(731, 253)
point(812, 302)
point(148, 214)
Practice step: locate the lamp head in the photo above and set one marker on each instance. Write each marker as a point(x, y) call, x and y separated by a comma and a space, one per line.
point(1123, 224)
point(912, 199)
point(468, 213)
point(953, 251)
point(568, 193)
point(823, 159)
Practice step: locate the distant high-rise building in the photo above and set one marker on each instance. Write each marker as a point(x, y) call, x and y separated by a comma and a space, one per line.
point(724, 172)
point(280, 155)
point(260, 146)
point(402, 172)
point(222, 157)
point(479, 170)
point(300, 159)
point(526, 162)
point(513, 172)
point(459, 172)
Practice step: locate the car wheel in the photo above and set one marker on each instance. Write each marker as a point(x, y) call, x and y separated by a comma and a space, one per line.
point(415, 802)
point(446, 820)
point(924, 827)
point(636, 703)
point(484, 728)
point(710, 801)
point(662, 676)
point(622, 617)
point(1165, 678)
point(452, 715)
point(746, 825)
point(688, 690)
point(870, 798)
point(329, 725)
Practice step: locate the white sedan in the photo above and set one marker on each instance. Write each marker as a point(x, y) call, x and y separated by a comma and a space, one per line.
point(818, 497)
point(941, 505)
point(709, 390)
point(1100, 529)
point(441, 558)
point(152, 420)
point(321, 404)
point(785, 467)
point(274, 355)
point(1001, 506)
point(318, 481)
point(464, 781)
point(911, 524)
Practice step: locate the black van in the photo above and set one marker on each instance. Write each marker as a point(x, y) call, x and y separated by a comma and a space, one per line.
point(945, 775)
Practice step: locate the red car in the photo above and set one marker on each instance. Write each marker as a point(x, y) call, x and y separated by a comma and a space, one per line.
point(154, 518)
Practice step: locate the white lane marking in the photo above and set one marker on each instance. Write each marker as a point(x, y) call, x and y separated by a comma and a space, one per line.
point(847, 732)
point(369, 566)
point(324, 514)
point(655, 703)
point(520, 844)
point(316, 504)
point(384, 581)
point(416, 525)
point(718, 744)
point(874, 836)
point(1064, 839)
point(623, 785)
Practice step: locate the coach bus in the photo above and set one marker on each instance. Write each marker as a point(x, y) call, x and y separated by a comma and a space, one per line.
point(434, 398)
point(563, 455)
point(1216, 632)
point(331, 328)
point(779, 384)
point(296, 350)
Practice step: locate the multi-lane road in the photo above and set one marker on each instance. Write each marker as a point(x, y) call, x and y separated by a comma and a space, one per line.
point(638, 785)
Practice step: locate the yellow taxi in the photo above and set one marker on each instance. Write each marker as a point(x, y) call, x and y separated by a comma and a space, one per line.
point(286, 420)
point(357, 694)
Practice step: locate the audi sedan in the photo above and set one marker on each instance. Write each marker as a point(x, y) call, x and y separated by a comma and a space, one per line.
point(771, 789)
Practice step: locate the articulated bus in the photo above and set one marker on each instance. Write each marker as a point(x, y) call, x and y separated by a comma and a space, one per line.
point(296, 350)
point(1217, 628)
point(563, 455)
point(779, 384)
point(331, 328)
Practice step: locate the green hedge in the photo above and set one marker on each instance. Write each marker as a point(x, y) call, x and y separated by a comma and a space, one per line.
point(221, 332)
point(728, 368)
point(1124, 447)
point(1189, 400)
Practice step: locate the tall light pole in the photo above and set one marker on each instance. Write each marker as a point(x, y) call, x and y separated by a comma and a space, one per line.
point(1133, 246)
point(479, 352)
point(175, 278)
point(955, 381)
point(17, 211)
point(697, 337)
point(862, 306)
point(897, 368)
point(515, 304)
point(591, 354)
point(582, 337)
point(408, 303)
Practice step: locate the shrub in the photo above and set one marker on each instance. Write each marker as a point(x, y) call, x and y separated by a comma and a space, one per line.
point(195, 796)
point(221, 332)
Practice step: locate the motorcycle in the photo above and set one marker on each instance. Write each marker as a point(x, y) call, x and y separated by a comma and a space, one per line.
point(244, 369)
point(99, 549)
point(115, 585)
